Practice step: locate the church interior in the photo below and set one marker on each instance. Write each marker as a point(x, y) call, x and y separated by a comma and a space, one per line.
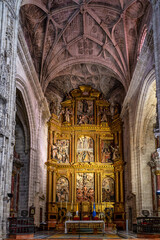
point(80, 113)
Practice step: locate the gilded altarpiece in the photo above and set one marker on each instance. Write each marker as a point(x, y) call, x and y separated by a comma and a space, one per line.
point(85, 164)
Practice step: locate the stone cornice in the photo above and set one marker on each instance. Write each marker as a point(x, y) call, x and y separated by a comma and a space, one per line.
point(29, 69)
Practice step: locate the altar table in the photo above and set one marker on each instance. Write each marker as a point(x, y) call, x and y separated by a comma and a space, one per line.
point(85, 224)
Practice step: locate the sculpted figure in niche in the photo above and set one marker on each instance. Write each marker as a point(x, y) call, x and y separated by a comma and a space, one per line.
point(116, 152)
point(62, 190)
point(53, 108)
point(107, 189)
point(85, 112)
point(155, 155)
point(85, 106)
point(66, 115)
point(117, 109)
point(106, 155)
point(104, 114)
point(106, 151)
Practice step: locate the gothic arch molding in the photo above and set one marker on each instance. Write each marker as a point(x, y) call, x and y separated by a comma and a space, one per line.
point(144, 119)
point(20, 84)
point(22, 87)
point(142, 99)
point(62, 66)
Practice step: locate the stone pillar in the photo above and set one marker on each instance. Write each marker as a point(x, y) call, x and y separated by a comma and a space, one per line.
point(8, 49)
point(156, 37)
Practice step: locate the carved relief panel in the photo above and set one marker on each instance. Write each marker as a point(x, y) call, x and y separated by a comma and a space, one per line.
point(85, 112)
point(62, 190)
point(106, 148)
point(61, 151)
point(85, 149)
point(85, 190)
point(107, 189)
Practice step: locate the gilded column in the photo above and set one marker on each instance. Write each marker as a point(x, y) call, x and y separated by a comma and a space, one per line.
point(98, 188)
point(117, 186)
point(72, 148)
point(74, 187)
point(54, 186)
point(50, 144)
point(121, 187)
point(120, 143)
point(72, 190)
point(50, 186)
point(96, 148)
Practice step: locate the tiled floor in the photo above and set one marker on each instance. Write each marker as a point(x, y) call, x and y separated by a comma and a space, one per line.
point(59, 235)
point(110, 235)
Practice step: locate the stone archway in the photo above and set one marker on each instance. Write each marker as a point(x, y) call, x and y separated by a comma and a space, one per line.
point(144, 144)
point(22, 148)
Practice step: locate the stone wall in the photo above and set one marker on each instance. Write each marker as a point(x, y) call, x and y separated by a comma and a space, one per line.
point(139, 116)
point(38, 114)
point(8, 52)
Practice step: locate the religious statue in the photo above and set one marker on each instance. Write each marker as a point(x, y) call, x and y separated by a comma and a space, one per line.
point(116, 152)
point(66, 115)
point(53, 108)
point(104, 114)
point(85, 112)
point(106, 155)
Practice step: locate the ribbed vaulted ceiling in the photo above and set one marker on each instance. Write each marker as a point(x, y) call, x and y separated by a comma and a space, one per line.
point(75, 42)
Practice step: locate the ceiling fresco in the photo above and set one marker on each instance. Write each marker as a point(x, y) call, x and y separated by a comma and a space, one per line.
point(93, 42)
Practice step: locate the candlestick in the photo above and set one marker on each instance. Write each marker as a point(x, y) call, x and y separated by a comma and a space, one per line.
point(77, 206)
point(77, 210)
